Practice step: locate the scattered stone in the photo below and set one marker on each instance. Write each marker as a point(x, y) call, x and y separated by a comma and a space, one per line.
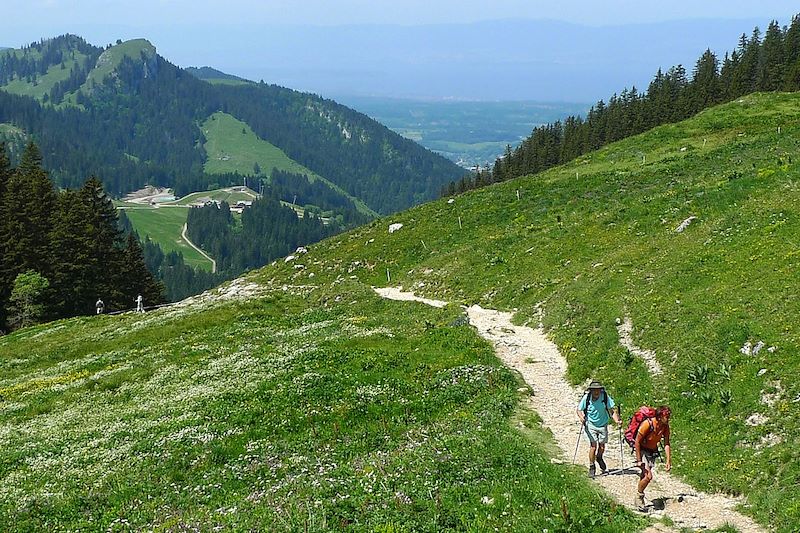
point(451, 200)
point(772, 349)
point(487, 500)
point(289, 258)
point(747, 349)
point(769, 398)
point(757, 347)
point(768, 441)
point(394, 227)
point(756, 419)
point(762, 372)
point(685, 224)
point(402, 498)
point(301, 250)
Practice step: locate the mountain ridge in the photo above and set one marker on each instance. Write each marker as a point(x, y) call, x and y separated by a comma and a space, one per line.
point(361, 156)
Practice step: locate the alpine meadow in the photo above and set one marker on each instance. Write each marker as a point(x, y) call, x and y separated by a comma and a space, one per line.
point(370, 357)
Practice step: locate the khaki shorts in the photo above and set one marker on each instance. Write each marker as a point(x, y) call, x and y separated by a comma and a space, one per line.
point(593, 434)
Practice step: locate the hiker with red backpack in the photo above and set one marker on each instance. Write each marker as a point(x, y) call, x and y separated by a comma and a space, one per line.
point(646, 432)
point(593, 412)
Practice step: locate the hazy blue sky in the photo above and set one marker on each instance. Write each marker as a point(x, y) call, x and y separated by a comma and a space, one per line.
point(414, 48)
point(143, 13)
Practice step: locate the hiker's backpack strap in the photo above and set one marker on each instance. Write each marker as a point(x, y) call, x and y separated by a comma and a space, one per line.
point(586, 396)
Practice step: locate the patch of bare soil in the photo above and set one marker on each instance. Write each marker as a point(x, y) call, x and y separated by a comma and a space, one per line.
point(148, 194)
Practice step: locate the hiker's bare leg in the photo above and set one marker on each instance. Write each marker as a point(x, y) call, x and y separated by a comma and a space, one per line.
point(601, 448)
point(644, 480)
point(592, 452)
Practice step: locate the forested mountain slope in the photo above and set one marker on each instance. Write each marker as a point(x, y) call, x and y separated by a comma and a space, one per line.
point(127, 115)
point(295, 398)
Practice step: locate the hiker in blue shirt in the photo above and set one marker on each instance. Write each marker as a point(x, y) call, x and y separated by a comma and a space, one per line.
point(593, 411)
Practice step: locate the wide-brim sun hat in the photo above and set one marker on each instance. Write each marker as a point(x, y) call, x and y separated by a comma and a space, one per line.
point(596, 385)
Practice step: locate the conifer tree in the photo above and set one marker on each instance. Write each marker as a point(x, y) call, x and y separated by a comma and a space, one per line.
point(107, 240)
point(73, 281)
point(771, 59)
point(726, 73)
point(791, 78)
point(791, 53)
point(676, 84)
point(27, 205)
point(135, 279)
point(704, 90)
point(5, 282)
point(744, 79)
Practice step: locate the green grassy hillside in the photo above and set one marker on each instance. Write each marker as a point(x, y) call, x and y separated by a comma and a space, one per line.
point(40, 89)
point(110, 59)
point(232, 146)
point(164, 225)
point(596, 241)
point(313, 404)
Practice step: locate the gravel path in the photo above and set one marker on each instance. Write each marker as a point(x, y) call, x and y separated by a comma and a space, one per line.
point(530, 352)
point(190, 243)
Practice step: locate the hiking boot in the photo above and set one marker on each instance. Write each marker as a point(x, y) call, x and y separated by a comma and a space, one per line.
point(592, 471)
point(602, 464)
point(638, 502)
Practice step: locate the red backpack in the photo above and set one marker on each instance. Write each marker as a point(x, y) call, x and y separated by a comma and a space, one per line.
point(644, 413)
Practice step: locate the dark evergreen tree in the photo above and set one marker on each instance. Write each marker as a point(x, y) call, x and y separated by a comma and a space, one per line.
point(135, 279)
point(28, 203)
point(5, 281)
point(104, 260)
point(704, 90)
point(726, 75)
point(73, 277)
point(745, 79)
point(770, 75)
point(791, 76)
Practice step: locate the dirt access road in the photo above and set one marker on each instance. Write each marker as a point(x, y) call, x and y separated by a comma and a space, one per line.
point(538, 360)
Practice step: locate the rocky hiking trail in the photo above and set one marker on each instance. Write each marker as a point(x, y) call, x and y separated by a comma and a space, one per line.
point(543, 368)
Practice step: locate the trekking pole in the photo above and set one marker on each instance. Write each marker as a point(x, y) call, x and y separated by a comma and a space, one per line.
point(621, 454)
point(578, 442)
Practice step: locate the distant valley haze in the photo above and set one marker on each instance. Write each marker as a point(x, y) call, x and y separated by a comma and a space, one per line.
point(577, 51)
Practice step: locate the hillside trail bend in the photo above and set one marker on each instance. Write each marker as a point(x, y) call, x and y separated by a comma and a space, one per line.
point(543, 368)
point(185, 237)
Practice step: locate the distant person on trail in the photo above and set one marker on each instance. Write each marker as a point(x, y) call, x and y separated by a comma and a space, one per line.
point(648, 437)
point(99, 306)
point(139, 304)
point(593, 411)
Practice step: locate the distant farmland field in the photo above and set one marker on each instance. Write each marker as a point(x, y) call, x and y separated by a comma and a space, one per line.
point(469, 133)
point(163, 225)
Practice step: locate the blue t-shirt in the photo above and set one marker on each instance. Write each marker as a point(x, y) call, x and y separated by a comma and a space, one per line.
point(597, 414)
